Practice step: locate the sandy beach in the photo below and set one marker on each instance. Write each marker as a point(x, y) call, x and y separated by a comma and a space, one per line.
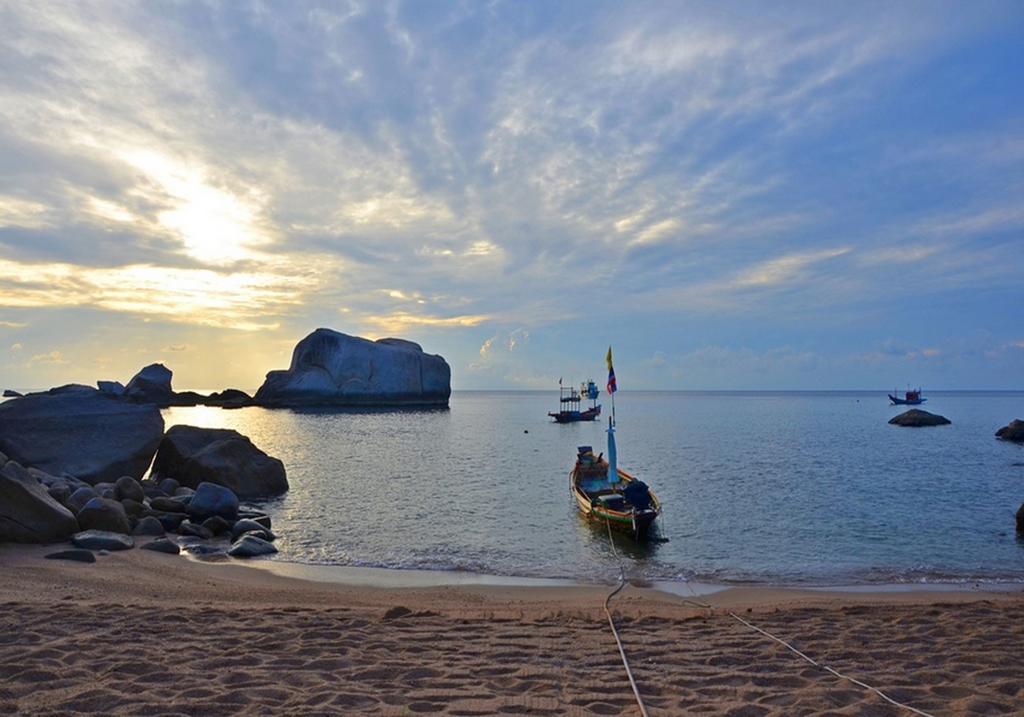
point(143, 633)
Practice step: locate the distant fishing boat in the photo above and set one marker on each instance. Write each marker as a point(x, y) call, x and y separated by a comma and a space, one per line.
point(569, 400)
point(606, 493)
point(910, 398)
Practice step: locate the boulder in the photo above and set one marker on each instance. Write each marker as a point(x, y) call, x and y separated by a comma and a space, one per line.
point(106, 490)
point(168, 486)
point(162, 545)
point(9, 393)
point(113, 388)
point(149, 526)
point(79, 431)
point(102, 540)
point(329, 368)
point(245, 525)
point(151, 385)
point(133, 508)
point(229, 398)
point(1020, 518)
point(167, 505)
point(76, 554)
point(77, 500)
point(212, 499)
point(28, 514)
point(187, 527)
point(259, 518)
point(915, 417)
point(250, 546)
point(170, 521)
point(1014, 431)
point(104, 514)
point(187, 398)
point(194, 455)
point(129, 488)
point(216, 525)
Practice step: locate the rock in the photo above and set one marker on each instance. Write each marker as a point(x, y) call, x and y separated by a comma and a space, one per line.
point(81, 432)
point(194, 455)
point(151, 385)
point(1014, 431)
point(229, 398)
point(187, 398)
point(149, 526)
point(329, 368)
point(102, 540)
point(105, 515)
point(204, 549)
point(106, 490)
point(76, 554)
point(245, 525)
point(168, 486)
point(250, 547)
point(259, 518)
point(216, 525)
point(170, 521)
point(161, 545)
point(129, 488)
point(397, 612)
point(77, 500)
point(112, 388)
point(262, 534)
point(28, 514)
point(167, 505)
point(133, 508)
point(9, 393)
point(187, 527)
point(1020, 518)
point(212, 499)
point(184, 494)
point(915, 417)
point(60, 492)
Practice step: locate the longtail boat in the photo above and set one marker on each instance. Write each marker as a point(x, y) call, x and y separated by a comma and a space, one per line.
point(910, 398)
point(606, 493)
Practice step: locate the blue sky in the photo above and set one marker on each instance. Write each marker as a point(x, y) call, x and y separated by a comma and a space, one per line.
point(734, 195)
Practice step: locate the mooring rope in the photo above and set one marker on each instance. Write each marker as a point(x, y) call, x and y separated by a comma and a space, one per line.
point(811, 660)
point(611, 622)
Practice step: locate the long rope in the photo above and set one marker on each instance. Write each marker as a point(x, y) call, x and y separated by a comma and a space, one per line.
point(611, 622)
point(811, 660)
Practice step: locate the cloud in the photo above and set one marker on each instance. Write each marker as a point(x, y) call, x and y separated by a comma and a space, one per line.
point(12, 325)
point(52, 358)
point(175, 348)
point(17, 347)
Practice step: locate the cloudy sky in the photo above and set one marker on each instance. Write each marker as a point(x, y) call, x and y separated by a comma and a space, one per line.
point(738, 195)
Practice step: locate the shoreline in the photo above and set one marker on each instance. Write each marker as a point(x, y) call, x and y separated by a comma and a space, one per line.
point(140, 632)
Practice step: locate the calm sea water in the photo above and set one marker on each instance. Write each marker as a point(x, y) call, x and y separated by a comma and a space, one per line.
point(764, 487)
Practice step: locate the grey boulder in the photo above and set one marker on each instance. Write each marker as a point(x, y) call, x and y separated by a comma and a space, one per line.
point(28, 513)
point(129, 489)
point(915, 418)
point(102, 540)
point(212, 499)
point(161, 545)
point(77, 500)
point(149, 526)
point(79, 431)
point(1014, 431)
point(76, 554)
point(249, 546)
point(151, 385)
point(104, 514)
point(330, 368)
point(193, 455)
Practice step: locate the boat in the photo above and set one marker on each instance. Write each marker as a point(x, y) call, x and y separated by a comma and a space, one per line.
point(910, 398)
point(569, 400)
point(624, 504)
point(608, 494)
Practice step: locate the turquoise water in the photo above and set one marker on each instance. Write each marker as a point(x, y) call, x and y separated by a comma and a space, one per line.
point(791, 487)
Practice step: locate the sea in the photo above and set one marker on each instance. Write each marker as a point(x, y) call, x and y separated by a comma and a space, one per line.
point(781, 488)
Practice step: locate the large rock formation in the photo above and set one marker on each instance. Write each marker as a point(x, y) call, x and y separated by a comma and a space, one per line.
point(151, 385)
point(1012, 432)
point(28, 514)
point(194, 455)
point(80, 431)
point(916, 418)
point(333, 369)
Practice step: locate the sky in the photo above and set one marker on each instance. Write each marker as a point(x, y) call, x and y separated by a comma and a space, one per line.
point(734, 195)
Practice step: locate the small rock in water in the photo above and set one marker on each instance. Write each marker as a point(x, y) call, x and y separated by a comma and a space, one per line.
point(250, 547)
point(397, 612)
point(1014, 431)
point(81, 556)
point(246, 525)
point(916, 418)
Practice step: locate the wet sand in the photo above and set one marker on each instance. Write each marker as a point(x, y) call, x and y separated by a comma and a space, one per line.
point(144, 633)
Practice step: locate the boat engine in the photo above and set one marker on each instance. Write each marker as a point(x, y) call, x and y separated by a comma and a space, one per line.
point(638, 495)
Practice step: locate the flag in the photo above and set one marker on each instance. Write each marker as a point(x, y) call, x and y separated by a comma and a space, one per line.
point(612, 387)
point(559, 380)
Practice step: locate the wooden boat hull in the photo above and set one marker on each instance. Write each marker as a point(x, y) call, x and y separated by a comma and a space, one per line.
point(590, 414)
point(906, 402)
point(635, 523)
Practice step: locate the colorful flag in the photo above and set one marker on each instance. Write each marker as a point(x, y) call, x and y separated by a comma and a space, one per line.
point(612, 387)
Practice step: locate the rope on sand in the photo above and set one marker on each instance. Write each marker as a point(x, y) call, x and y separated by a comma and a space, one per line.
point(811, 660)
point(611, 622)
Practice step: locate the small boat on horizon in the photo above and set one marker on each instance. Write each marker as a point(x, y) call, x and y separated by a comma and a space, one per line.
point(910, 398)
point(569, 400)
point(606, 493)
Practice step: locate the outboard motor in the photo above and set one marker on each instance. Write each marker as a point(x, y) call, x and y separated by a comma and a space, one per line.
point(638, 495)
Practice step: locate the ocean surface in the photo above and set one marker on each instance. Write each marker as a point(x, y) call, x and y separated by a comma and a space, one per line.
point(765, 487)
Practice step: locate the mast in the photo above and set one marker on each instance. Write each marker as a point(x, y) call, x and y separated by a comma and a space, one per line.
point(613, 468)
